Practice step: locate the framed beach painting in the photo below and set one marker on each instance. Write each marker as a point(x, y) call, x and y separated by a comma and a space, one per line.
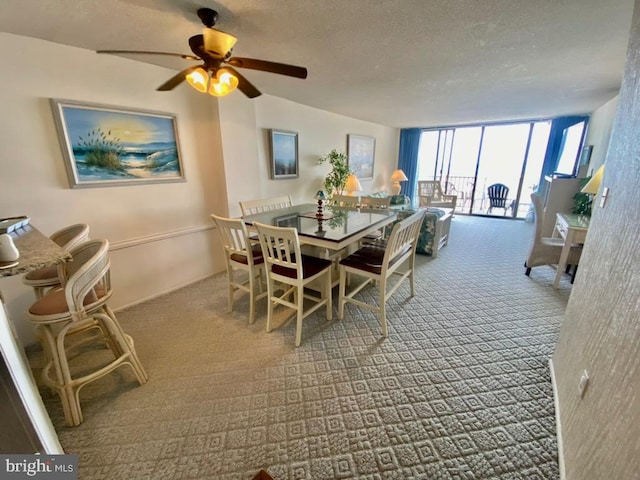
point(360, 150)
point(284, 154)
point(109, 146)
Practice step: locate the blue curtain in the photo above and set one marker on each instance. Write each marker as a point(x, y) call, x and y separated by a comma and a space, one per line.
point(408, 159)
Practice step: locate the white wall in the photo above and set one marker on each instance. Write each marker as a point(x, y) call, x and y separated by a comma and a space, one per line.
point(599, 133)
point(318, 131)
point(160, 233)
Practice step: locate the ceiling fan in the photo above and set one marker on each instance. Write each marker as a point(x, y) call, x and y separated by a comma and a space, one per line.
point(217, 73)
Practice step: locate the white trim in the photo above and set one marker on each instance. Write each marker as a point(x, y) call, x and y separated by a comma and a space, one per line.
point(556, 402)
point(156, 237)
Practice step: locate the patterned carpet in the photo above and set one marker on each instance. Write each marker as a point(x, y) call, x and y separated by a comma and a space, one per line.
point(460, 389)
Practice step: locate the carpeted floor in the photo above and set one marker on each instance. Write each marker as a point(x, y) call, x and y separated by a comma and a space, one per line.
point(460, 389)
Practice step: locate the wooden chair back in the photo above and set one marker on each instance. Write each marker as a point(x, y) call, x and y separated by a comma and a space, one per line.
point(375, 202)
point(251, 207)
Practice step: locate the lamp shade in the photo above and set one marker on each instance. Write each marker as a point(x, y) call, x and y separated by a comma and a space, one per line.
point(320, 195)
point(198, 79)
point(397, 177)
point(352, 184)
point(593, 185)
point(224, 83)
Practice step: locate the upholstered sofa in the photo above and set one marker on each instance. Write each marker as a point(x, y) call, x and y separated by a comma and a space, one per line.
point(434, 232)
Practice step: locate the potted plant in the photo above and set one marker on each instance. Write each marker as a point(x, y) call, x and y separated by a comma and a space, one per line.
point(336, 179)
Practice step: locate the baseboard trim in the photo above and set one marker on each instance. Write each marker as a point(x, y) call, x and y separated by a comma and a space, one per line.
point(556, 403)
point(165, 292)
point(134, 242)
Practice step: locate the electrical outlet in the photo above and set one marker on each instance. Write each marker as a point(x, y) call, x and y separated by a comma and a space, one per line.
point(584, 382)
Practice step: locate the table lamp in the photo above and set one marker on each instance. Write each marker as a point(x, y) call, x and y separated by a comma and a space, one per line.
point(352, 185)
point(397, 177)
point(593, 185)
point(321, 197)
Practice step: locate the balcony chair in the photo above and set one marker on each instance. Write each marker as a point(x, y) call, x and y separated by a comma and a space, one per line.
point(46, 278)
point(286, 265)
point(378, 264)
point(431, 195)
point(241, 254)
point(65, 316)
point(498, 194)
point(547, 250)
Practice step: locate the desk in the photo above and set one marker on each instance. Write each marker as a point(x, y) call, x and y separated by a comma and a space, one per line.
point(36, 251)
point(573, 229)
point(342, 227)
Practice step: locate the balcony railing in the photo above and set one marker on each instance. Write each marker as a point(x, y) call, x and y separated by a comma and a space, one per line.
point(463, 188)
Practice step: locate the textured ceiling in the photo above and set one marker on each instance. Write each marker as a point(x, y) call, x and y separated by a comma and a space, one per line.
point(401, 63)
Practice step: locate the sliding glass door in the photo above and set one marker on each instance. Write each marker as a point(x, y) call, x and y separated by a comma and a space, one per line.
point(468, 160)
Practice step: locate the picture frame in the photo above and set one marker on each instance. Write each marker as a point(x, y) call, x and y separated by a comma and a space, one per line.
point(585, 155)
point(361, 152)
point(284, 154)
point(106, 145)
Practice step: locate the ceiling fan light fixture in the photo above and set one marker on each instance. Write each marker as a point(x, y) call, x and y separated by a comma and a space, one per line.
point(198, 79)
point(218, 42)
point(223, 84)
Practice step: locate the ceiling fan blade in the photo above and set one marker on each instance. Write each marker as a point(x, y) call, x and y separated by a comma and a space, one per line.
point(244, 85)
point(265, 66)
point(177, 79)
point(136, 52)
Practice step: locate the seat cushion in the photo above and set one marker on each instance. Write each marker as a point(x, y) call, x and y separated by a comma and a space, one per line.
point(55, 302)
point(256, 251)
point(370, 258)
point(310, 267)
point(43, 274)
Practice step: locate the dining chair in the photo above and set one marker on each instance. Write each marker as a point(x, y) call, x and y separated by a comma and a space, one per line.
point(251, 207)
point(76, 314)
point(350, 201)
point(241, 255)
point(45, 278)
point(377, 265)
point(286, 265)
point(374, 203)
point(547, 250)
point(430, 194)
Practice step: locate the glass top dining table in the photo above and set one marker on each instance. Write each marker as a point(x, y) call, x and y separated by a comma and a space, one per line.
point(339, 227)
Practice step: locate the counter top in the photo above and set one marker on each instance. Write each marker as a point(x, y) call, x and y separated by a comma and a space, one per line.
point(36, 251)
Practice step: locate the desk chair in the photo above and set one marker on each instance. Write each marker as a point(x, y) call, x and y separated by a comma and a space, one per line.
point(241, 255)
point(286, 265)
point(378, 264)
point(547, 250)
point(69, 313)
point(46, 278)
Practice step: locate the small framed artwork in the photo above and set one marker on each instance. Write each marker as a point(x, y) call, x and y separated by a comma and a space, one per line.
point(360, 150)
point(108, 146)
point(284, 154)
point(585, 156)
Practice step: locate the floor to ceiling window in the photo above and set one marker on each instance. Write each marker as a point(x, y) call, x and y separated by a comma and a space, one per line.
point(468, 160)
